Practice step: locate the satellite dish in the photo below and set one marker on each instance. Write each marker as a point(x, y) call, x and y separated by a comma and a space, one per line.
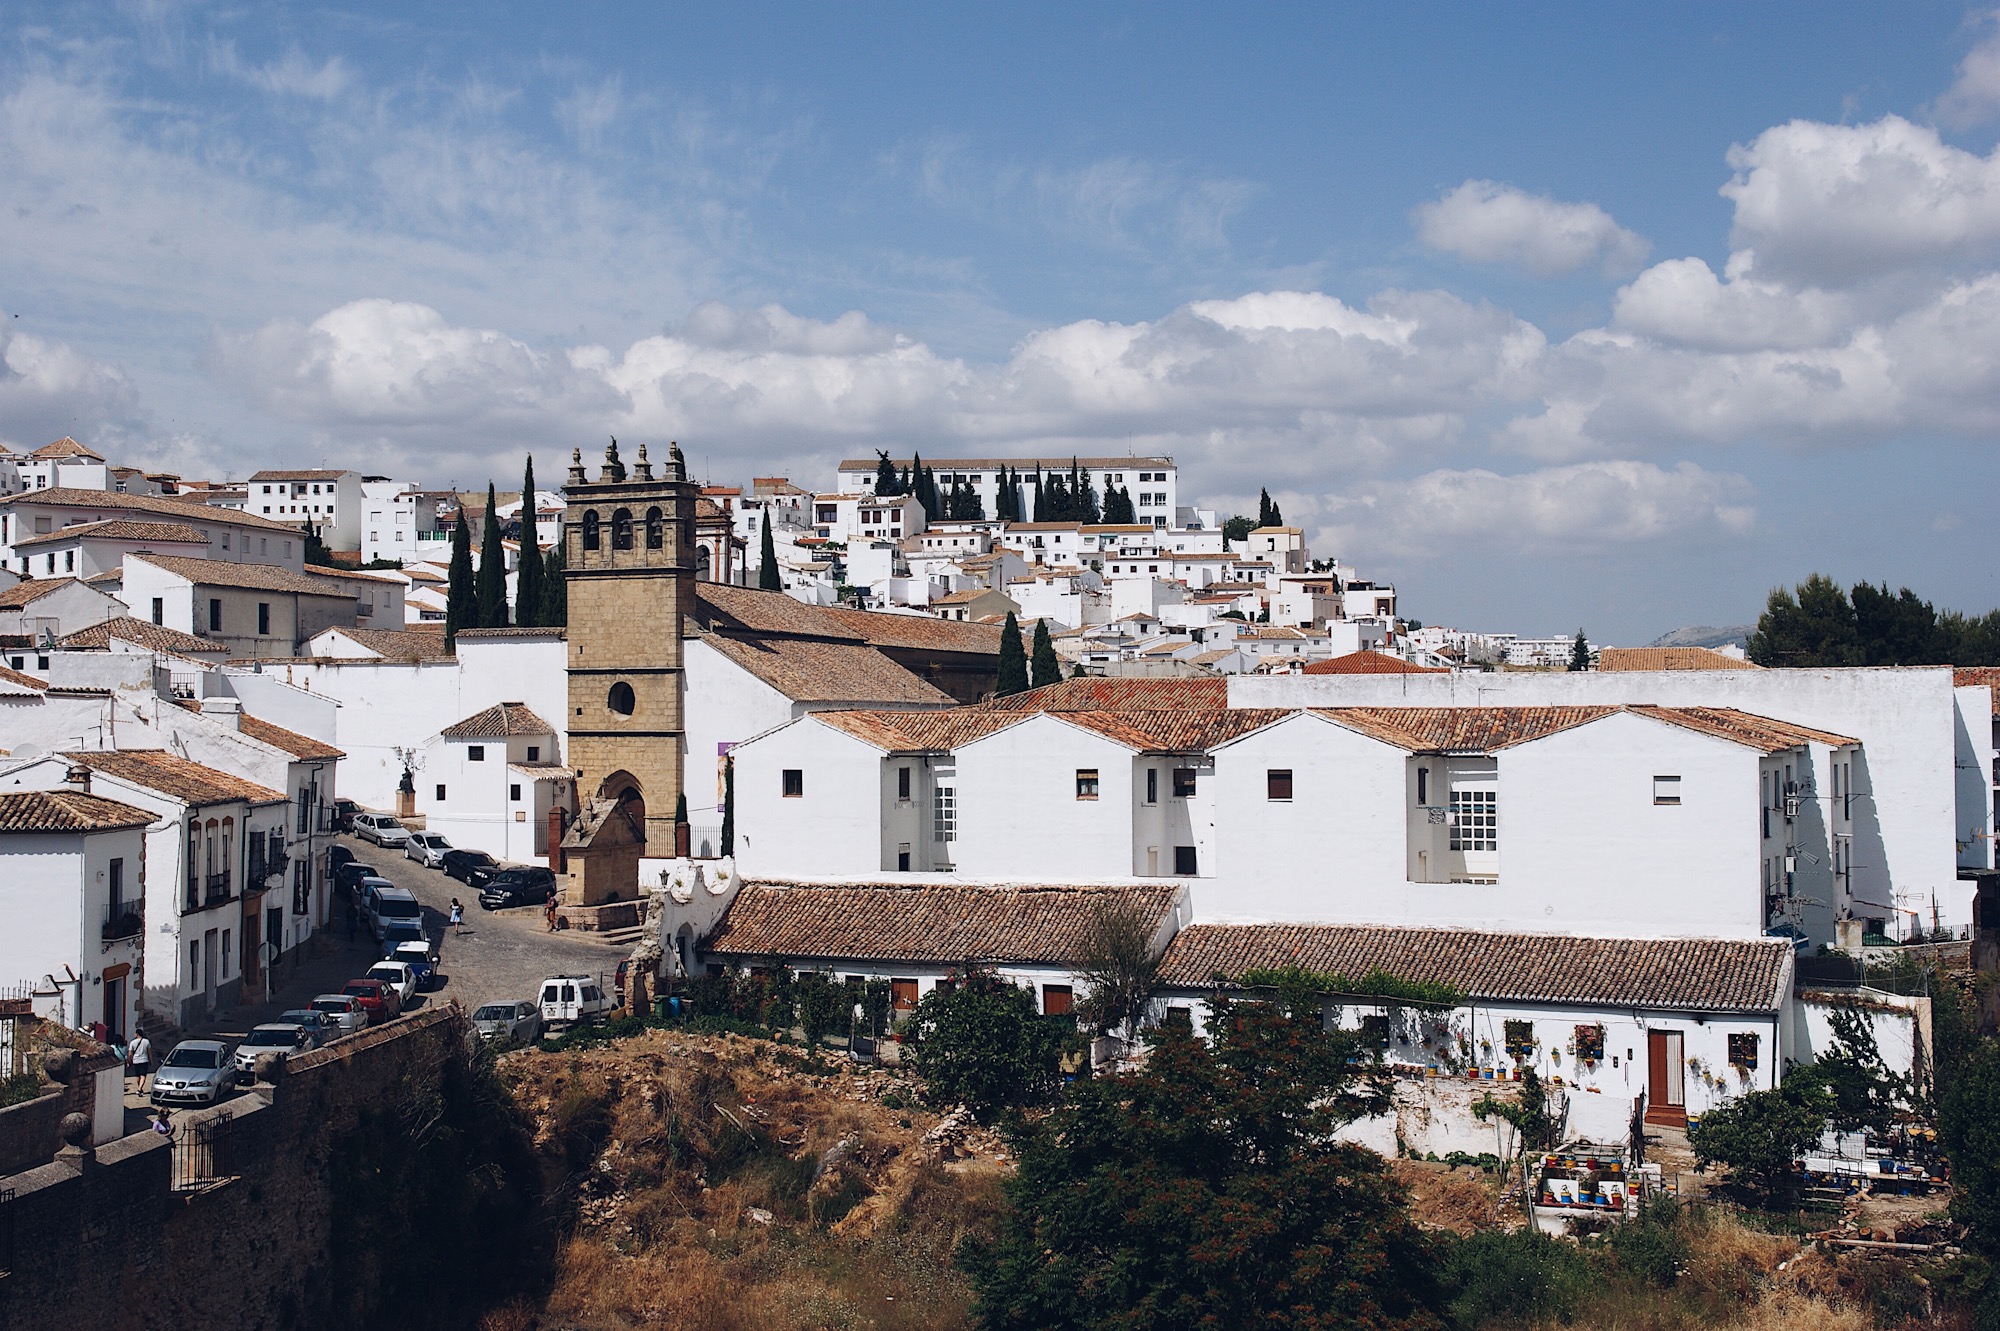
point(25, 751)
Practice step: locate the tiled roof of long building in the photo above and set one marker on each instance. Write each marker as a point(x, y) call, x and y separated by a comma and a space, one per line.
point(1117, 695)
point(174, 776)
point(940, 923)
point(499, 721)
point(65, 811)
point(118, 529)
point(185, 510)
point(1689, 974)
point(736, 611)
point(828, 671)
point(140, 632)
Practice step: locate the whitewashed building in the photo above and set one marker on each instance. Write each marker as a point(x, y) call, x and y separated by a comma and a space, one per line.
point(73, 892)
point(328, 499)
point(259, 610)
point(490, 780)
point(231, 535)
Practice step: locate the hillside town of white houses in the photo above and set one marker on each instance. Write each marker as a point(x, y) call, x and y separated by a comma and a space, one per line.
point(1630, 863)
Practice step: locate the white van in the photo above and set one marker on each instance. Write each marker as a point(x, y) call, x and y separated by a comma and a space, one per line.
point(568, 999)
point(384, 904)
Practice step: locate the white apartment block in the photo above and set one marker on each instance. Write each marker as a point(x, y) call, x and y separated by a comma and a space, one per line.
point(1152, 480)
point(117, 523)
point(329, 499)
point(863, 517)
point(400, 521)
point(257, 610)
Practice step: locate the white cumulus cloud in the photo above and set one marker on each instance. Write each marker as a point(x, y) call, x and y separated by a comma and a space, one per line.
point(1974, 95)
point(1488, 222)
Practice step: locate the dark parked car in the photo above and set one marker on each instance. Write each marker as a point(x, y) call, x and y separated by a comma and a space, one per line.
point(518, 885)
point(337, 856)
point(474, 868)
point(349, 875)
point(343, 815)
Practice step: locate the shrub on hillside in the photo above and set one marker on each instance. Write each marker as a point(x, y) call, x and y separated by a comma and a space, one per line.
point(981, 1043)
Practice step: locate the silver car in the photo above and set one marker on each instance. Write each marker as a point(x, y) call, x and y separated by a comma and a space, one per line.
point(427, 849)
point(274, 1037)
point(381, 828)
point(197, 1072)
point(348, 1015)
point(511, 1021)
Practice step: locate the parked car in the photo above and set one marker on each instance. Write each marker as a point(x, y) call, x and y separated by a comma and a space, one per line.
point(377, 999)
point(427, 849)
point(381, 828)
point(383, 904)
point(197, 1072)
point(471, 867)
point(343, 1009)
point(568, 999)
point(276, 1037)
point(344, 812)
point(518, 885)
point(348, 877)
point(514, 1021)
point(322, 1026)
point(398, 977)
point(421, 956)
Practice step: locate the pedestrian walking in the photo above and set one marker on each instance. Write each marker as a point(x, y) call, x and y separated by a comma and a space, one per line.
point(457, 916)
point(139, 1060)
point(549, 914)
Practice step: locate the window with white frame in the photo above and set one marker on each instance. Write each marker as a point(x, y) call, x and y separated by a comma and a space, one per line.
point(1666, 790)
point(1475, 820)
point(944, 814)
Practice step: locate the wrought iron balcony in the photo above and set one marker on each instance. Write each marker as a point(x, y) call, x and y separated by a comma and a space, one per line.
point(124, 919)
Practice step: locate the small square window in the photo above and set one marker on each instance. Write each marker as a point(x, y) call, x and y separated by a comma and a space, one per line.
point(1183, 782)
point(475, 753)
point(795, 783)
point(1184, 861)
point(1743, 1051)
point(1666, 790)
point(1086, 783)
point(534, 753)
point(440, 794)
point(1278, 784)
point(514, 790)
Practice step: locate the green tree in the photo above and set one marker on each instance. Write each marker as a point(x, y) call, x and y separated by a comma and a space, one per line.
point(1046, 669)
point(1967, 1075)
point(1894, 630)
point(1119, 967)
point(490, 590)
point(1237, 529)
point(1041, 508)
point(981, 1043)
point(818, 1002)
point(461, 602)
point(528, 578)
point(1579, 653)
point(1209, 1190)
point(1013, 673)
point(1760, 1135)
point(1861, 1090)
point(768, 578)
point(1815, 628)
point(887, 484)
point(555, 590)
point(315, 551)
point(1118, 505)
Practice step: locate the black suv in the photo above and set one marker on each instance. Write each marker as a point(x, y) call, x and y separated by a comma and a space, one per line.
point(474, 868)
point(518, 885)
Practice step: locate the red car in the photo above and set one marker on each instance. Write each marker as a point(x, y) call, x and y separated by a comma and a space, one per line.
point(375, 998)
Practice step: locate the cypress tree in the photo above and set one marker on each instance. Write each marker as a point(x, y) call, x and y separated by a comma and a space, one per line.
point(555, 591)
point(1086, 503)
point(1264, 509)
point(767, 560)
point(490, 590)
point(1013, 673)
point(913, 482)
point(1007, 500)
point(1277, 515)
point(1041, 495)
point(1579, 655)
point(461, 604)
point(885, 475)
point(1047, 670)
point(904, 485)
point(528, 584)
point(932, 501)
point(975, 507)
point(1075, 493)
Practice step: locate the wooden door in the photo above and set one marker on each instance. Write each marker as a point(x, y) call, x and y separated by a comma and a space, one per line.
point(1666, 1087)
point(902, 995)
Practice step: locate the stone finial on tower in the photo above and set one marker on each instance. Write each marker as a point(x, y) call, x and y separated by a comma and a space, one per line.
point(642, 470)
point(676, 464)
point(613, 471)
point(576, 476)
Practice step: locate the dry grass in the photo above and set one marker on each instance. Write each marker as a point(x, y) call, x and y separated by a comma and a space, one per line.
point(670, 1147)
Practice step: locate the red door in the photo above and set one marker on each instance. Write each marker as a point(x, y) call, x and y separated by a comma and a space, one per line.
point(1666, 1087)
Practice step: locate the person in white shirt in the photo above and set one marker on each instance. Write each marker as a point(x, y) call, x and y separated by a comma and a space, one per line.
point(139, 1060)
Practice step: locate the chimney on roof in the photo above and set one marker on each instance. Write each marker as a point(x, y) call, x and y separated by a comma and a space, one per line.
point(228, 711)
point(77, 778)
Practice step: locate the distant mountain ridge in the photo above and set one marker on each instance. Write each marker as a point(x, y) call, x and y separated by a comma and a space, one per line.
point(1706, 635)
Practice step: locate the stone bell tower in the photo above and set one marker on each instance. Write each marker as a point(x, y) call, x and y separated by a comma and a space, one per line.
point(628, 556)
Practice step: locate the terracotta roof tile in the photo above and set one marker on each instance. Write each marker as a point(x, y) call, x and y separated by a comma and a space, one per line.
point(513, 631)
point(119, 529)
point(1687, 974)
point(1177, 731)
point(417, 644)
point(185, 510)
point(499, 721)
point(307, 474)
point(1668, 658)
point(735, 610)
point(140, 632)
point(33, 589)
point(66, 447)
point(1116, 695)
point(15, 679)
point(1762, 732)
point(249, 577)
point(1369, 663)
point(828, 671)
point(937, 923)
point(1461, 729)
point(174, 776)
point(65, 811)
point(303, 747)
point(919, 732)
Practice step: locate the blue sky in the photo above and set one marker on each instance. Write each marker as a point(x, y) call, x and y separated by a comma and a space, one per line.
point(1612, 316)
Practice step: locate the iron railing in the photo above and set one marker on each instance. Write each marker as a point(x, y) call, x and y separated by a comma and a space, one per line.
point(124, 919)
point(204, 1154)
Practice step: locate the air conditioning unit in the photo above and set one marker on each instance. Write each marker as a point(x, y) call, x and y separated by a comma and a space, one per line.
point(1791, 865)
point(1791, 803)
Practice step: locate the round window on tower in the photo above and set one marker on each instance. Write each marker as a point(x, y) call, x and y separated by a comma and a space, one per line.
point(621, 700)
